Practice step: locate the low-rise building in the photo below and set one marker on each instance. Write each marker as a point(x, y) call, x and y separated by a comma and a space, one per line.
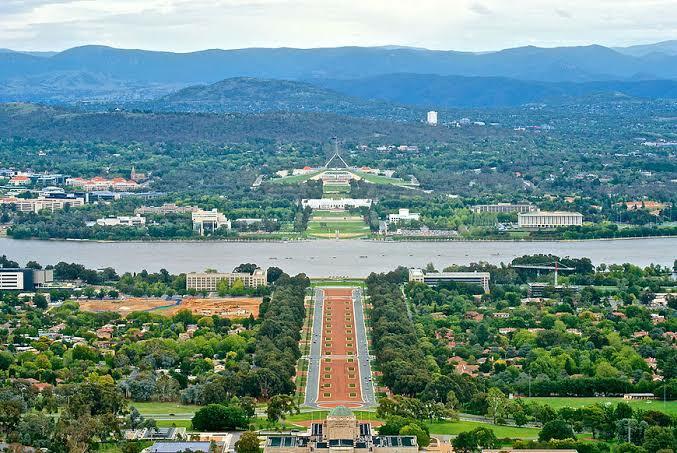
point(504, 208)
point(639, 396)
point(23, 279)
point(208, 281)
point(167, 208)
point(208, 221)
point(42, 203)
point(329, 204)
point(404, 215)
point(340, 432)
point(100, 183)
point(435, 278)
point(545, 219)
point(122, 220)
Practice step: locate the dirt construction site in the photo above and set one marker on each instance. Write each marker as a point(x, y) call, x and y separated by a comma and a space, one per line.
point(226, 307)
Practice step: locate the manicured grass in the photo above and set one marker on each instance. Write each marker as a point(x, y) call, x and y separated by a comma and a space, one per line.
point(297, 179)
point(155, 408)
point(346, 228)
point(336, 188)
point(378, 179)
point(356, 283)
point(454, 428)
point(174, 423)
point(670, 407)
point(317, 213)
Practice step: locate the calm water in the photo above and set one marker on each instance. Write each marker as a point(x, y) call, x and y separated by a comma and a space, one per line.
point(355, 258)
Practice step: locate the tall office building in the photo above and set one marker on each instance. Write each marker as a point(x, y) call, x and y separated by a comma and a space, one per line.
point(432, 118)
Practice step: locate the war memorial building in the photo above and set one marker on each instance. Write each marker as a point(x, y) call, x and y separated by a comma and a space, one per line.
point(341, 431)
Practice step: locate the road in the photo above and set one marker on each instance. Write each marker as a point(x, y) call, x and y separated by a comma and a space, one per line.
point(363, 358)
point(313, 376)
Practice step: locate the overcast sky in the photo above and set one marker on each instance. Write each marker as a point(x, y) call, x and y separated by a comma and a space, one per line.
point(186, 25)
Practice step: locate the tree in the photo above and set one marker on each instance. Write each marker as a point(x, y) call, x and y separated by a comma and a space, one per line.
point(246, 268)
point(475, 440)
point(659, 438)
point(630, 430)
point(40, 301)
point(274, 273)
point(217, 417)
point(497, 404)
point(414, 429)
point(248, 405)
point(248, 443)
point(556, 429)
point(279, 406)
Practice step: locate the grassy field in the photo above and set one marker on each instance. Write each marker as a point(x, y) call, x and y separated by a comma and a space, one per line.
point(454, 428)
point(297, 179)
point(330, 282)
point(325, 224)
point(670, 407)
point(155, 408)
point(336, 188)
point(174, 423)
point(378, 179)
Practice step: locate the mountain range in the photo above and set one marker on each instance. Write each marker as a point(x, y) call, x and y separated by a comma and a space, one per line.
point(367, 75)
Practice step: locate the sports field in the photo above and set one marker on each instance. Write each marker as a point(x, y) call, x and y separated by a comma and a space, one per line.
point(669, 407)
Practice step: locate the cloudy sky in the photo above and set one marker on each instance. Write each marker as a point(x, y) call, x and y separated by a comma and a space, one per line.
point(186, 25)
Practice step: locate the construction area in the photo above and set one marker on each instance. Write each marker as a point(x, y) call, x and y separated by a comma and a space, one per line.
point(225, 307)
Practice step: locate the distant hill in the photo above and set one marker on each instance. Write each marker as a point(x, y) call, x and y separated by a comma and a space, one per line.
point(587, 63)
point(249, 95)
point(434, 91)
point(664, 47)
point(384, 96)
point(76, 86)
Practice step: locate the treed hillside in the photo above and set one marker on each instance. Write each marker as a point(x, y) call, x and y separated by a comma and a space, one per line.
point(437, 91)
point(48, 123)
point(249, 95)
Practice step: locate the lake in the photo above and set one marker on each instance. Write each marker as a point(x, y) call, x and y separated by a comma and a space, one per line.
point(323, 258)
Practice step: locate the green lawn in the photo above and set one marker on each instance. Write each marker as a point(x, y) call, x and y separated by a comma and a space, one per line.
point(318, 213)
point(454, 428)
point(174, 423)
point(347, 226)
point(297, 179)
point(670, 407)
point(155, 408)
point(326, 282)
point(378, 179)
point(336, 188)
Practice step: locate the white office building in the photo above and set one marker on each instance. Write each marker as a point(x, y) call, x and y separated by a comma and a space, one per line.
point(122, 220)
point(205, 221)
point(432, 118)
point(435, 278)
point(208, 281)
point(403, 216)
point(329, 204)
point(545, 219)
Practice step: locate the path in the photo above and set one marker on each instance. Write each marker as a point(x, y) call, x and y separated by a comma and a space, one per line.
point(339, 369)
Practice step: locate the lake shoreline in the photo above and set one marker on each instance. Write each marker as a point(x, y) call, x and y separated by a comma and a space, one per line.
point(303, 240)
